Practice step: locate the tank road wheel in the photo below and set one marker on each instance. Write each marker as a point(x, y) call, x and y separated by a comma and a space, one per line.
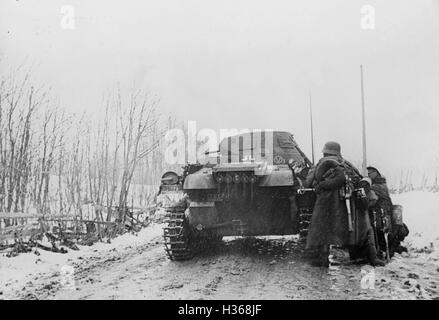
point(178, 238)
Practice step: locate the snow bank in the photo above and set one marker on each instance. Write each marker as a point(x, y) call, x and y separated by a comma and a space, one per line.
point(421, 215)
point(15, 272)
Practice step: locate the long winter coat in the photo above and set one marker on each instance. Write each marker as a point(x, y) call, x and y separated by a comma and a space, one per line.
point(329, 221)
point(379, 186)
point(397, 232)
point(362, 233)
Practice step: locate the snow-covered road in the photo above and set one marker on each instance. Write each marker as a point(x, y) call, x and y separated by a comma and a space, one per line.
point(136, 267)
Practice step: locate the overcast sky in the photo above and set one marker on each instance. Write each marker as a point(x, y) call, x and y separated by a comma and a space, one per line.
point(249, 64)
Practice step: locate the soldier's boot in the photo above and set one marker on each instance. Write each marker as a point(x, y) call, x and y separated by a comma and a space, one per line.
point(373, 258)
point(400, 249)
point(322, 258)
point(357, 255)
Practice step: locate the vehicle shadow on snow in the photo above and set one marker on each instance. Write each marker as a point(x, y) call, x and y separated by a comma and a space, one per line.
point(254, 247)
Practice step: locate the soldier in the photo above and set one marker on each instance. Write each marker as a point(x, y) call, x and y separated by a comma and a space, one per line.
point(331, 221)
point(383, 212)
point(329, 217)
point(364, 245)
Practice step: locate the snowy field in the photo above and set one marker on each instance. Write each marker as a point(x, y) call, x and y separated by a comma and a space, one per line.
point(421, 215)
point(17, 271)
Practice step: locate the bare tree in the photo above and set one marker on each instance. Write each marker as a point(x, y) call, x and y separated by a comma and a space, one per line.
point(54, 163)
point(136, 126)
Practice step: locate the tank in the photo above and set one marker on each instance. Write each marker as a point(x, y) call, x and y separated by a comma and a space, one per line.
point(252, 187)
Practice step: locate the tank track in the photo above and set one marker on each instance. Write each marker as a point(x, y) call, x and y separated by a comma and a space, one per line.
point(177, 236)
point(304, 221)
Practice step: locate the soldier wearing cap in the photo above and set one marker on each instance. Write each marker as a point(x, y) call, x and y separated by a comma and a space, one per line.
point(383, 211)
point(364, 246)
point(379, 186)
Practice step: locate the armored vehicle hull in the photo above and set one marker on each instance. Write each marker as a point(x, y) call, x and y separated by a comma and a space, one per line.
point(239, 195)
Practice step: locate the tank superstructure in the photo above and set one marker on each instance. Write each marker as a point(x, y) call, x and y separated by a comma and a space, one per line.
point(250, 189)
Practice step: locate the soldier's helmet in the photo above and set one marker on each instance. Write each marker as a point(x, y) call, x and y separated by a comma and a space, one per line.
point(365, 183)
point(373, 167)
point(332, 148)
point(367, 180)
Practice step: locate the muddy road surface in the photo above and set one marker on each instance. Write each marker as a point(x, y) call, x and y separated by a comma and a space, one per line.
point(237, 268)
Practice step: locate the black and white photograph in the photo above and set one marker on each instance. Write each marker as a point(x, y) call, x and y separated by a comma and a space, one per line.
point(230, 151)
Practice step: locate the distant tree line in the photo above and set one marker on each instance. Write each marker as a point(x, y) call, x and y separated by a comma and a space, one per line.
point(52, 161)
